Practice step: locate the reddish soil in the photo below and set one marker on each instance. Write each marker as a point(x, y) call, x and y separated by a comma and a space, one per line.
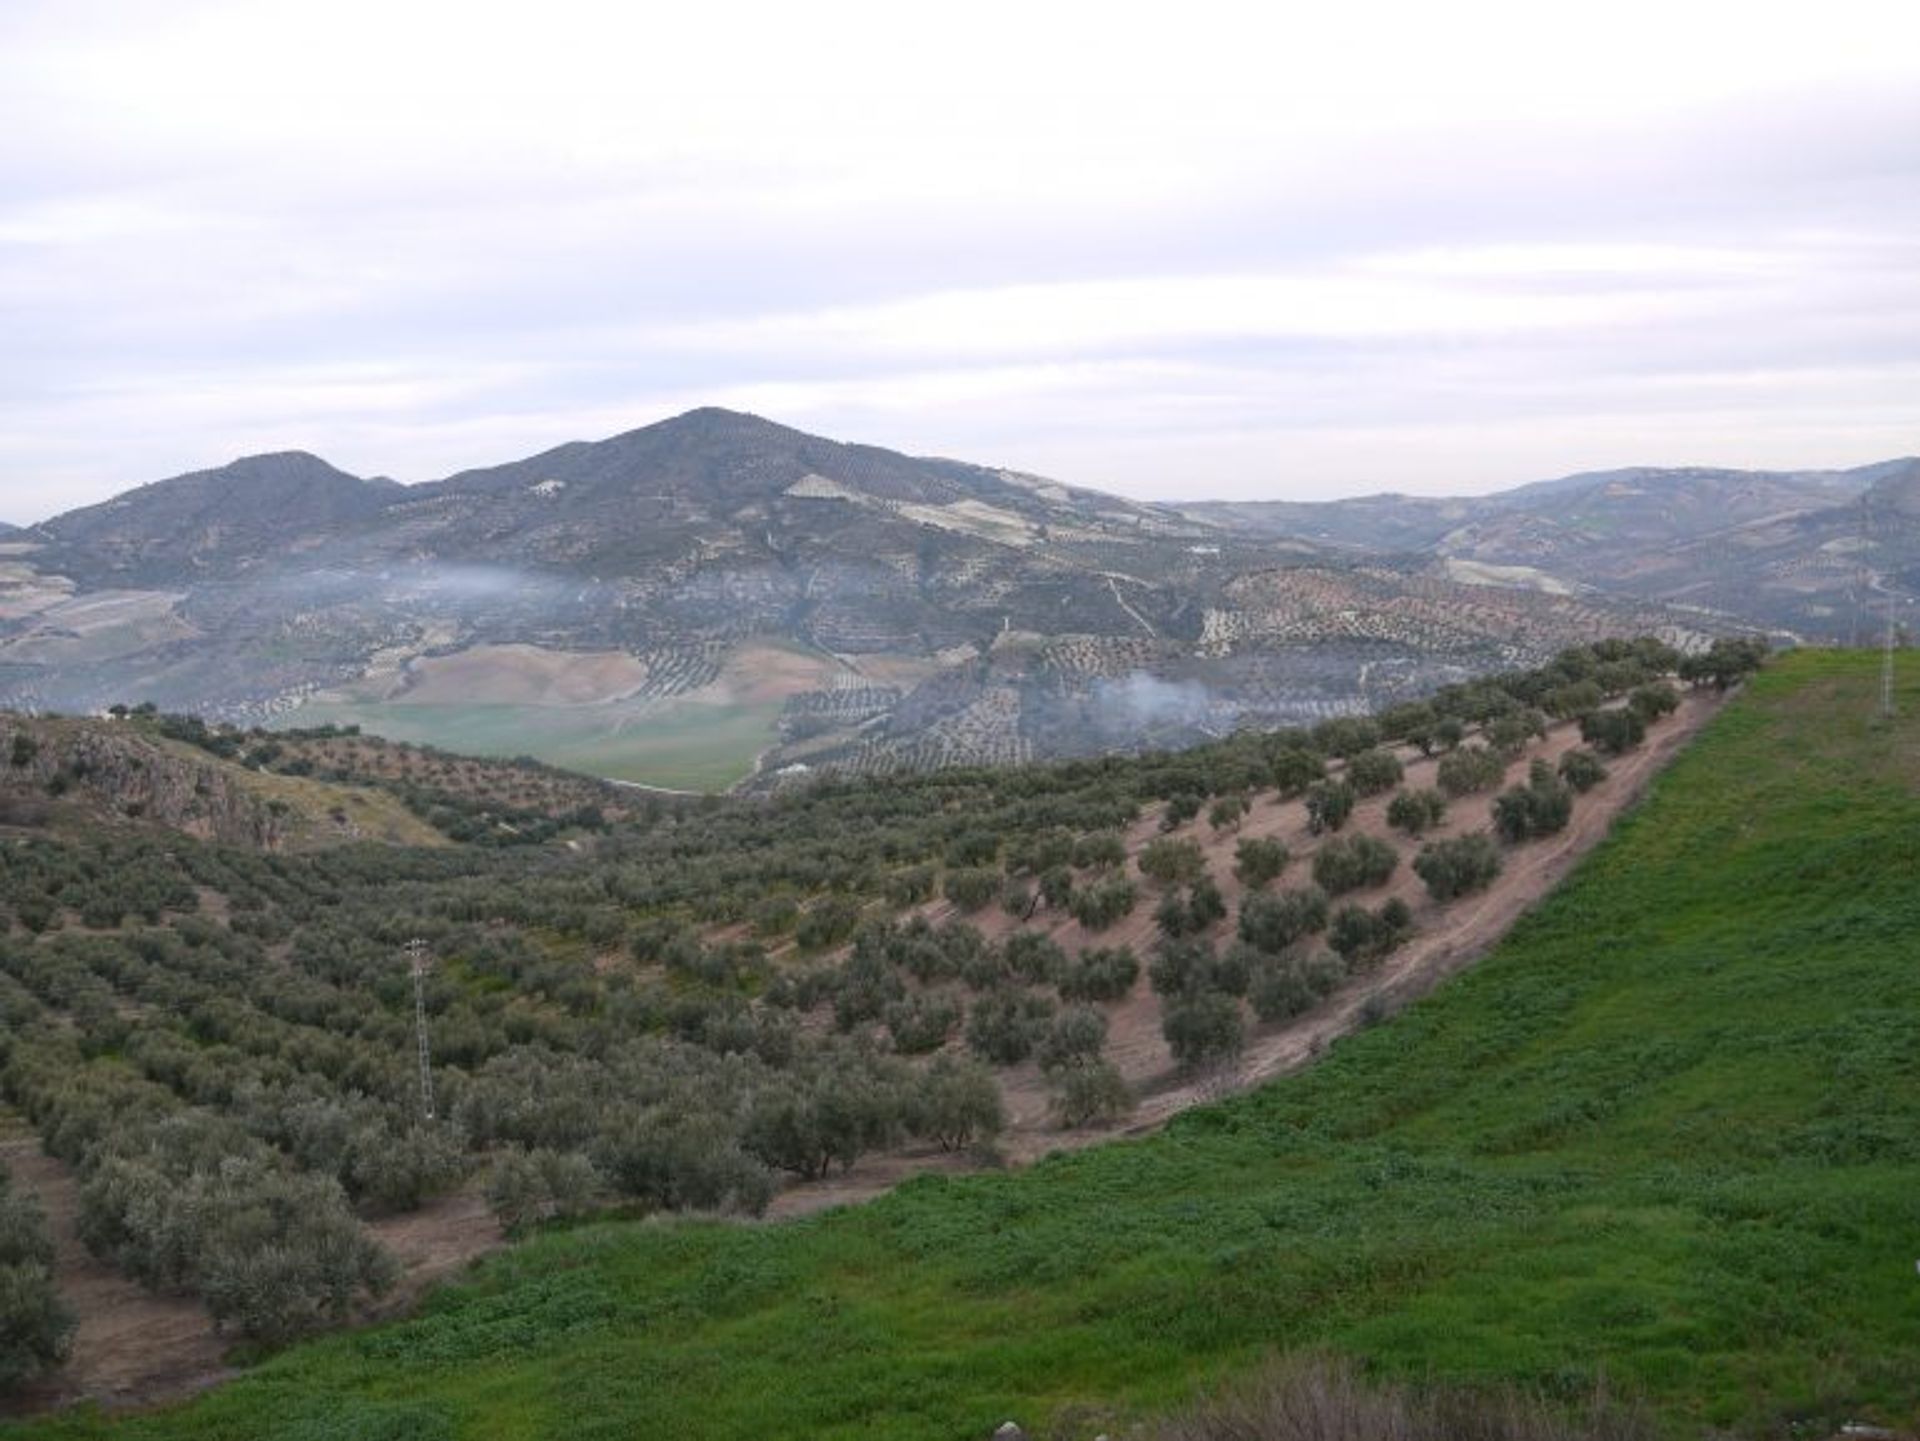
point(1446, 940)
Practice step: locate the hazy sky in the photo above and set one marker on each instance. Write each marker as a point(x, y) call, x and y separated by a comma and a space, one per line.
point(1173, 250)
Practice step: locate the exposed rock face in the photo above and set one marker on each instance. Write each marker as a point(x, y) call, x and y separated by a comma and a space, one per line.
point(129, 776)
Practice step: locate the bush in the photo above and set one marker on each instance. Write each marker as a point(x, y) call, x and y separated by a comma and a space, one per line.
point(1650, 702)
point(956, 1103)
point(1582, 770)
point(1470, 769)
point(1416, 812)
point(1182, 807)
point(1361, 936)
point(1346, 863)
point(1258, 861)
point(1091, 1093)
point(1189, 915)
point(1006, 1025)
point(972, 888)
point(827, 922)
point(528, 1187)
point(1374, 772)
point(1099, 850)
point(35, 1327)
point(1329, 803)
point(1453, 868)
point(1202, 1029)
point(919, 1024)
point(1034, 957)
point(1291, 985)
point(1294, 770)
point(1171, 862)
point(1539, 808)
point(1076, 1038)
point(1228, 811)
point(1105, 901)
point(1100, 974)
point(1271, 923)
point(1183, 968)
point(1613, 732)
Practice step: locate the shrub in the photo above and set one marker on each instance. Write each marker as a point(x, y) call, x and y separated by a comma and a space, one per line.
point(1105, 901)
point(1271, 923)
point(919, 1024)
point(1650, 702)
point(1099, 850)
point(1294, 770)
point(1228, 811)
point(35, 1325)
point(1006, 1025)
point(1291, 985)
point(1329, 803)
point(1258, 861)
point(1360, 935)
point(1582, 770)
point(528, 1187)
point(1034, 957)
point(1100, 974)
point(1182, 806)
point(1347, 863)
point(1091, 1093)
point(1171, 862)
point(955, 1103)
point(1076, 1038)
point(1374, 772)
point(972, 888)
point(1189, 915)
point(1453, 868)
point(1416, 812)
point(1203, 1029)
point(1541, 807)
point(1470, 769)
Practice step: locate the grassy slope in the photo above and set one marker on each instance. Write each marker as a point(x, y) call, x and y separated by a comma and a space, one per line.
point(1671, 1128)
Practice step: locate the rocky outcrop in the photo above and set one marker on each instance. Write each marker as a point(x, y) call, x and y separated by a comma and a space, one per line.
point(121, 774)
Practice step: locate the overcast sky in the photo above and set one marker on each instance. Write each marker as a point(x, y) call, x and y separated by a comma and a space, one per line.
point(1179, 250)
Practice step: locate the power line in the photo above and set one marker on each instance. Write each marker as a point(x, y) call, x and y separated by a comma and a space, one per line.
point(418, 958)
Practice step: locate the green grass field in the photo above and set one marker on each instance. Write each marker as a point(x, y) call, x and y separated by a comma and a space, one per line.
point(1669, 1131)
point(679, 745)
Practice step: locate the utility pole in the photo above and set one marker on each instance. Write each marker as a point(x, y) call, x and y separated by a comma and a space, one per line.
point(417, 960)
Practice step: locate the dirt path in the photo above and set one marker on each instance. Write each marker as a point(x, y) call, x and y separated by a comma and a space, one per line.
point(1447, 940)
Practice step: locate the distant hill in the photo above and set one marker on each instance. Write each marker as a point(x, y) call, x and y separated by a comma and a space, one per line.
point(211, 522)
point(1795, 550)
point(718, 595)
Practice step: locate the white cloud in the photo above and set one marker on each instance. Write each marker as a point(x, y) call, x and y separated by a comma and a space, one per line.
point(1467, 243)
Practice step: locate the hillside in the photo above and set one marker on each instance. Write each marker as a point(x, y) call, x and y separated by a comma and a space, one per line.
point(718, 597)
point(1795, 550)
point(63, 777)
point(1666, 1129)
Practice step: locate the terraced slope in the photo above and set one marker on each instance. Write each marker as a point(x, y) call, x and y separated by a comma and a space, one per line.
point(1669, 1130)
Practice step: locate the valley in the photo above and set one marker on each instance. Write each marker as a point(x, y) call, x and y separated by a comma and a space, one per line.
point(719, 601)
point(1626, 1138)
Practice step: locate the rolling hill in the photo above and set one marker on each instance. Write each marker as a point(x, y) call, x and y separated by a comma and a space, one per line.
point(1664, 1133)
point(1794, 550)
point(717, 596)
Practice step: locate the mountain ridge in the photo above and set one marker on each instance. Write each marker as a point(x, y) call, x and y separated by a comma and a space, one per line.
point(622, 605)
